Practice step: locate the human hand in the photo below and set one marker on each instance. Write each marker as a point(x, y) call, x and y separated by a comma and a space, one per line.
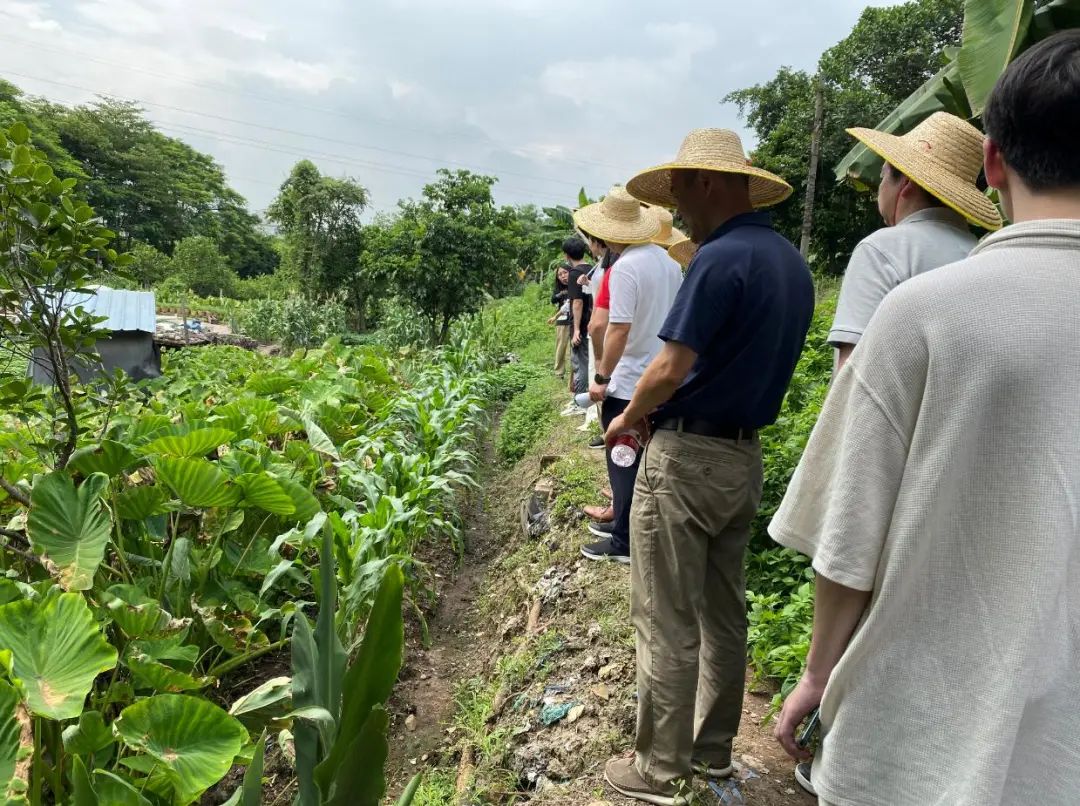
point(804, 698)
point(618, 425)
point(576, 340)
point(597, 392)
point(551, 321)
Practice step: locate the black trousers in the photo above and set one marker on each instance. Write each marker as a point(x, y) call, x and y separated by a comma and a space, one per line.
point(579, 363)
point(622, 478)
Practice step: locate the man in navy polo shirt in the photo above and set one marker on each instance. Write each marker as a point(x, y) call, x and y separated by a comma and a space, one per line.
point(731, 342)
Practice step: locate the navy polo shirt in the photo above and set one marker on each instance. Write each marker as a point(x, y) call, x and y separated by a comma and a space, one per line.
point(745, 308)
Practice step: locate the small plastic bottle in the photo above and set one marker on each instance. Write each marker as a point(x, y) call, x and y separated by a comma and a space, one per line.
point(583, 400)
point(625, 450)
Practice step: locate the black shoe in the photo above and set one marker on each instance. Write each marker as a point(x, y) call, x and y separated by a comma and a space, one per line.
point(602, 530)
point(597, 442)
point(605, 550)
point(802, 775)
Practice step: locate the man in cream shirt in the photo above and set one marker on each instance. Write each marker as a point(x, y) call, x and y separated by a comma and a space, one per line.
point(938, 500)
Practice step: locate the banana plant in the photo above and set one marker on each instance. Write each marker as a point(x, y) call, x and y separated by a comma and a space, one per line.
point(995, 32)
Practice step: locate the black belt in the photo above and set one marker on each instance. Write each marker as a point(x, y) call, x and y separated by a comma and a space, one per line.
point(705, 428)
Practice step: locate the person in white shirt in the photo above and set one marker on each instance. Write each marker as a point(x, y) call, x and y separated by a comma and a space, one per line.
point(937, 498)
point(643, 289)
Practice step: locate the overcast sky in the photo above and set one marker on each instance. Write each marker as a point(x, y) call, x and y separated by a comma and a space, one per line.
point(548, 95)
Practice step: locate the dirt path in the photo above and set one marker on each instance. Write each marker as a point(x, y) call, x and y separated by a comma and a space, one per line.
point(528, 685)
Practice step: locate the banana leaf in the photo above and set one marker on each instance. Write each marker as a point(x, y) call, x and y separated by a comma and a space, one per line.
point(994, 32)
point(965, 82)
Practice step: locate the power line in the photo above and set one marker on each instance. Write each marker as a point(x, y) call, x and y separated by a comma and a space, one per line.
point(282, 148)
point(295, 105)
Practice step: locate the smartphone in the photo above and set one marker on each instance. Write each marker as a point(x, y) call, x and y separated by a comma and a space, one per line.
point(813, 725)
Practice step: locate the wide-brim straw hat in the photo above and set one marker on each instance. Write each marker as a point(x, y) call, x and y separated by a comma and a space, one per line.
point(669, 234)
point(943, 155)
point(683, 252)
point(718, 150)
point(619, 218)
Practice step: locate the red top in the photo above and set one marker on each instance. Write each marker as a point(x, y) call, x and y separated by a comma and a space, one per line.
point(603, 296)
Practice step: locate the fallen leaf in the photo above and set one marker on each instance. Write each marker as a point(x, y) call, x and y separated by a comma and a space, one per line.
point(601, 692)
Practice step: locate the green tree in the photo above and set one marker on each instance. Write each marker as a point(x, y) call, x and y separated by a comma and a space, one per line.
point(319, 218)
point(888, 53)
point(198, 262)
point(148, 265)
point(452, 247)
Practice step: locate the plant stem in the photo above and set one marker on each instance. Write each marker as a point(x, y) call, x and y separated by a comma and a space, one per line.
point(57, 742)
point(35, 767)
point(247, 657)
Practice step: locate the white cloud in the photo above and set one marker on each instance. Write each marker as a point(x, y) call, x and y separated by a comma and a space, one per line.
point(401, 89)
point(33, 15)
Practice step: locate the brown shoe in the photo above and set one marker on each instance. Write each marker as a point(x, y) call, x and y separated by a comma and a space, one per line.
point(624, 778)
point(600, 514)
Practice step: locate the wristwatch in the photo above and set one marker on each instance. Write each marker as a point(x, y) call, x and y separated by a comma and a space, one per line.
point(603, 380)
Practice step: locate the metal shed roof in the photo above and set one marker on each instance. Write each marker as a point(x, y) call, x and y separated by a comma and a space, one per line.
point(126, 310)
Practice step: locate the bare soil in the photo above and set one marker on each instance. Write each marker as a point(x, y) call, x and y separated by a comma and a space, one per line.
point(529, 627)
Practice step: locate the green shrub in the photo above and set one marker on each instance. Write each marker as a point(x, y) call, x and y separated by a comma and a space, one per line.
point(526, 420)
point(779, 633)
point(296, 321)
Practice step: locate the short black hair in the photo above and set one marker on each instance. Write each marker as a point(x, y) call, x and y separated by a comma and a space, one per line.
point(930, 198)
point(1033, 114)
point(574, 248)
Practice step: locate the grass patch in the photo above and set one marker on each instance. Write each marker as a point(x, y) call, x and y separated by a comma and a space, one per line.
point(578, 483)
point(436, 789)
point(529, 417)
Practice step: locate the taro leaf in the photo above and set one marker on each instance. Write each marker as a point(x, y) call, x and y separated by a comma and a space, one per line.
point(149, 674)
point(369, 680)
point(148, 427)
point(318, 438)
point(269, 701)
point(171, 649)
point(193, 444)
point(115, 791)
point(195, 739)
point(262, 383)
point(110, 457)
point(138, 615)
point(305, 503)
point(362, 784)
point(82, 791)
point(233, 632)
point(271, 579)
point(240, 462)
point(994, 32)
point(57, 652)
point(197, 482)
point(10, 732)
point(88, 736)
point(140, 503)
point(264, 492)
point(69, 527)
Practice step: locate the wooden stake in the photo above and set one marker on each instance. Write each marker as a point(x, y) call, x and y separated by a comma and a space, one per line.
point(811, 176)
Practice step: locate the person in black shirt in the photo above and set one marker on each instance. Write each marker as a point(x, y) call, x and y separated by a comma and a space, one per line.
point(731, 342)
point(560, 296)
point(580, 311)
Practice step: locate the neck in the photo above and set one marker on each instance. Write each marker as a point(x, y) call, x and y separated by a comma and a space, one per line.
point(725, 211)
point(909, 208)
point(1024, 205)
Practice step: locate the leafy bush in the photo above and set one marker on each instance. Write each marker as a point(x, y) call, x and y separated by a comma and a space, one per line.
point(526, 419)
point(779, 633)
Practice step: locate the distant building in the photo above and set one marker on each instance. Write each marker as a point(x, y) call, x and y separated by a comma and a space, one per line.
point(131, 319)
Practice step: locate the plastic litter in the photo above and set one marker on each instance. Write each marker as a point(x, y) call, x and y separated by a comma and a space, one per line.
point(555, 713)
point(728, 793)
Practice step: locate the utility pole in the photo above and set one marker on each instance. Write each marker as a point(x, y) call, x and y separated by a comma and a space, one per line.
point(811, 176)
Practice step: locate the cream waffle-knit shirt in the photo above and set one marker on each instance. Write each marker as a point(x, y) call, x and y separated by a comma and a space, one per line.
point(944, 476)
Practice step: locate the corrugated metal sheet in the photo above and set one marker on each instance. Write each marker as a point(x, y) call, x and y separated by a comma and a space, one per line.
point(126, 310)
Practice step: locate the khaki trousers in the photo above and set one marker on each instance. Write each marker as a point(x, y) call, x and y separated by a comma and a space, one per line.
point(694, 500)
point(562, 345)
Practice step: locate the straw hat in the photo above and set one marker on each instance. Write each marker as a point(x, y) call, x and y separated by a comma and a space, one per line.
point(942, 155)
point(683, 252)
point(709, 150)
point(618, 219)
point(669, 234)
